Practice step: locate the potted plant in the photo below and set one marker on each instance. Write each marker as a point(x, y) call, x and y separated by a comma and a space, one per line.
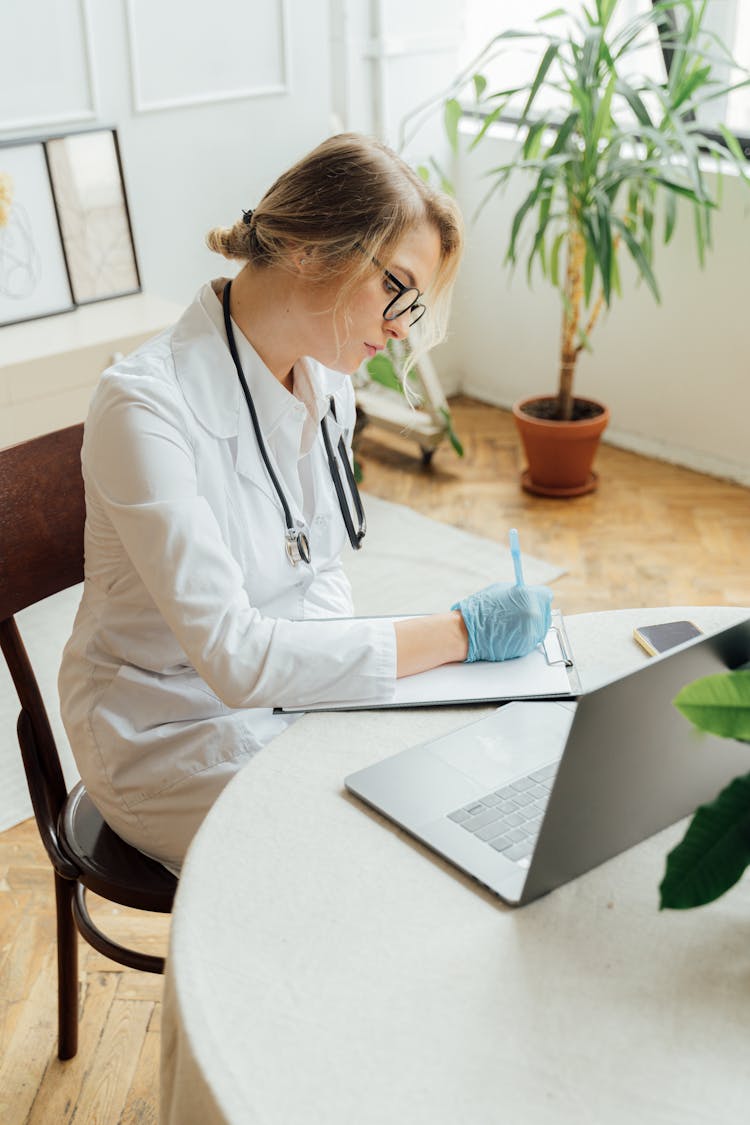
point(716, 848)
point(613, 150)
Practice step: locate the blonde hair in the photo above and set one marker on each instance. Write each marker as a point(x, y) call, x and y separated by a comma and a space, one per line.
point(350, 200)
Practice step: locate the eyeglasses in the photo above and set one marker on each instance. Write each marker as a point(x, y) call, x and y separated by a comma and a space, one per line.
point(406, 299)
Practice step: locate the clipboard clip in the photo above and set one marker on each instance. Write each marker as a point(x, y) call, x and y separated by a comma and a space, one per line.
point(565, 658)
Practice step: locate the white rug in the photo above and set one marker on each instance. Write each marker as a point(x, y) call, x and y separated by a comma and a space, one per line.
point(44, 629)
point(412, 564)
point(408, 564)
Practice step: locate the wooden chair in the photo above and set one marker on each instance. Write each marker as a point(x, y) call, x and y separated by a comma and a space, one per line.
point(41, 552)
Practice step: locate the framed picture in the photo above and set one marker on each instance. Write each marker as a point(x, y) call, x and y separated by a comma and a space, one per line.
point(33, 273)
point(87, 182)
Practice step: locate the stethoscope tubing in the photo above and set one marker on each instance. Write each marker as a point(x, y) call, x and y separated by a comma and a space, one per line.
point(355, 537)
point(251, 407)
point(295, 538)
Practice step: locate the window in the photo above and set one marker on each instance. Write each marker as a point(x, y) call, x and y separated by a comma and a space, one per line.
point(729, 19)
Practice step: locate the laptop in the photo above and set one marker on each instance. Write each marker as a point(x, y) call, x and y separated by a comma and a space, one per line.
point(538, 793)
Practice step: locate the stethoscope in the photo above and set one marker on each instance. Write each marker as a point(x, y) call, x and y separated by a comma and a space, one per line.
point(297, 542)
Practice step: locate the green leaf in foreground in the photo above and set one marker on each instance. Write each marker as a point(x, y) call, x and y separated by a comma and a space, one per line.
point(453, 437)
point(480, 85)
point(452, 116)
point(719, 704)
point(714, 853)
point(380, 368)
point(733, 145)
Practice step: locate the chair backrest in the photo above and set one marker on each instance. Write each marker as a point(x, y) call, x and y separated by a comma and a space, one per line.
point(42, 514)
point(42, 517)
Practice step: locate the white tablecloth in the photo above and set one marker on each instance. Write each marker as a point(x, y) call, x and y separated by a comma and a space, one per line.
point(325, 968)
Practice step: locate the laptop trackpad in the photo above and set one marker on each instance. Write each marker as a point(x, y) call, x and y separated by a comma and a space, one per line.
point(515, 740)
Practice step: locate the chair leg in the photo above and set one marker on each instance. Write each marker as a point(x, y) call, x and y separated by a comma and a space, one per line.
point(67, 970)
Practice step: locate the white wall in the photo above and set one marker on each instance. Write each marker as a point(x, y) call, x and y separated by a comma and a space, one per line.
point(354, 64)
point(193, 166)
point(390, 57)
point(675, 375)
point(666, 372)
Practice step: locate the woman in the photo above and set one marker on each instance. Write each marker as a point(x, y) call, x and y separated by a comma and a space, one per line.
point(216, 467)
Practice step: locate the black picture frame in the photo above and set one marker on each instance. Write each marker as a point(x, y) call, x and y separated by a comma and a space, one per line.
point(66, 236)
point(88, 185)
point(34, 278)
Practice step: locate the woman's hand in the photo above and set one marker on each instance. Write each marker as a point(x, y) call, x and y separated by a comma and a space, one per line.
point(498, 623)
point(504, 620)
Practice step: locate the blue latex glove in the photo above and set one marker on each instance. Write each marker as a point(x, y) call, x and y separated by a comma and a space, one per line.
point(505, 620)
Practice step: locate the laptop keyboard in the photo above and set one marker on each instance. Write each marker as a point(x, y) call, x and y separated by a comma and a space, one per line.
point(509, 819)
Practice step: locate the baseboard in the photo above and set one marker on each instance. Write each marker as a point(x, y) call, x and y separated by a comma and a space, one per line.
point(687, 458)
point(677, 455)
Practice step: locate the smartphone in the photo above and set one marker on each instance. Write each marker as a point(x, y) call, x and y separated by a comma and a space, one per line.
point(659, 638)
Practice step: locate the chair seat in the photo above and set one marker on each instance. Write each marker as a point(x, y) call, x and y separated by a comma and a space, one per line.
point(109, 867)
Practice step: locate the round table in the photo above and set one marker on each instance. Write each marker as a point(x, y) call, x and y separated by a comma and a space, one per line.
point(324, 967)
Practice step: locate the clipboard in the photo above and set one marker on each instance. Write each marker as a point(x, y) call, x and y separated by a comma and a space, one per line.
point(549, 672)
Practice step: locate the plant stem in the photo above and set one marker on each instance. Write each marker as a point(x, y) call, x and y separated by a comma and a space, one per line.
point(599, 304)
point(593, 319)
point(571, 317)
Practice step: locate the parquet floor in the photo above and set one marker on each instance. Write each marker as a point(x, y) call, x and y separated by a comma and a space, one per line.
point(653, 534)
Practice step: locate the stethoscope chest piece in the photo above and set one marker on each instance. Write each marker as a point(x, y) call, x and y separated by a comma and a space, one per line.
point(297, 547)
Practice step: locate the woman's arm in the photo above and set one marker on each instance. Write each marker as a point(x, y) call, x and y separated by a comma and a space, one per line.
point(426, 642)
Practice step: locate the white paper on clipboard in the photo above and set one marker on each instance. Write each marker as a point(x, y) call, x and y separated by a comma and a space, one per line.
point(546, 673)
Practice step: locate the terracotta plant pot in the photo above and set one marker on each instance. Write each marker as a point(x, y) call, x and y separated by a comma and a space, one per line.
point(560, 454)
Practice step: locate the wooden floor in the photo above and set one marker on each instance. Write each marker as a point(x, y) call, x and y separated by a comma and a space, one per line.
point(653, 534)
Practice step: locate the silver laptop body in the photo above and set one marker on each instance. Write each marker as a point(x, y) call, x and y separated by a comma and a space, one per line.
point(622, 763)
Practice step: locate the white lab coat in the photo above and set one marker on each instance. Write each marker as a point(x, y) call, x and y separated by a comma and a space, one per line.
point(193, 623)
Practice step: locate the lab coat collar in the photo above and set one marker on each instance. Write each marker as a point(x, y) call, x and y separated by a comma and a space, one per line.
point(203, 365)
point(208, 380)
point(314, 385)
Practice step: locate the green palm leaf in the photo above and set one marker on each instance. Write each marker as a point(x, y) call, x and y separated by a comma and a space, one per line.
point(547, 59)
point(714, 853)
point(719, 704)
point(639, 257)
point(624, 142)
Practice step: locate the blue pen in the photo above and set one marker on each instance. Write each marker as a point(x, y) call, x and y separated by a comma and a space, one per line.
point(515, 551)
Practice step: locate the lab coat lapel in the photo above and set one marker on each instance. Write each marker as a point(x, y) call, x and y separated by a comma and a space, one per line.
point(280, 426)
point(249, 462)
point(208, 380)
point(204, 367)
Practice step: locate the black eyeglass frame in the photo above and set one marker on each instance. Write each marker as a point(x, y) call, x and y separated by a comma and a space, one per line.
point(415, 304)
point(402, 289)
